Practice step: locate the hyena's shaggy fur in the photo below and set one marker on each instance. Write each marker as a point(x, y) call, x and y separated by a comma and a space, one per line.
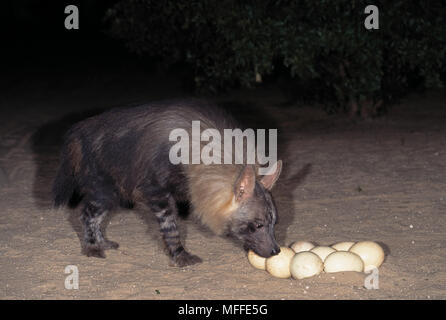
point(122, 156)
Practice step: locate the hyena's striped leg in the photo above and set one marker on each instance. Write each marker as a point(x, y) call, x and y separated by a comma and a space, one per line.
point(165, 211)
point(94, 242)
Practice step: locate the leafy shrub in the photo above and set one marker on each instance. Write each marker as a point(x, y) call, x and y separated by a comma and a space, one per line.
point(228, 42)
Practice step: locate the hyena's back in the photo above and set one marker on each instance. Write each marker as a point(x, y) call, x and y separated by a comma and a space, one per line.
point(129, 146)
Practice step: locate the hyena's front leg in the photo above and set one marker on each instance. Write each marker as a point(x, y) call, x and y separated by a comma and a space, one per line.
point(165, 211)
point(94, 242)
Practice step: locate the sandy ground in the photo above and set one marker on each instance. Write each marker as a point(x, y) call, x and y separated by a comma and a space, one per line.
point(382, 180)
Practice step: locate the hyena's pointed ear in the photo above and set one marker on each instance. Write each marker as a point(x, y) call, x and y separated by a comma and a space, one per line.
point(270, 179)
point(244, 186)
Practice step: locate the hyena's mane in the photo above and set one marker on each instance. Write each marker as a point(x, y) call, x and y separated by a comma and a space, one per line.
point(210, 188)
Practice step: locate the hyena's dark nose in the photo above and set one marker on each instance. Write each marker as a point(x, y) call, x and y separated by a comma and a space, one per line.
point(275, 251)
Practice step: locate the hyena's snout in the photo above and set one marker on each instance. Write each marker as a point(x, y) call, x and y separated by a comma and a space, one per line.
point(270, 250)
point(264, 244)
point(275, 250)
point(267, 251)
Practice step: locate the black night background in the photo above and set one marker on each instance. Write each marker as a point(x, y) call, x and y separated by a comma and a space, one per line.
point(361, 119)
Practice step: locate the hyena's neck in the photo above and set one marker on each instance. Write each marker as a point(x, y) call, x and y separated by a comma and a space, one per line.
point(211, 193)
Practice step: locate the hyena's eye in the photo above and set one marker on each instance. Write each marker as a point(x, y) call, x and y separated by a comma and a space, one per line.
point(252, 227)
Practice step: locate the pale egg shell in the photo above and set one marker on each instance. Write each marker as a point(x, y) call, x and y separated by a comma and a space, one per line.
point(339, 261)
point(300, 246)
point(343, 246)
point(306, 264)
point(256, 261)
point(322, 251)
point(279, 265)
point(370, 252)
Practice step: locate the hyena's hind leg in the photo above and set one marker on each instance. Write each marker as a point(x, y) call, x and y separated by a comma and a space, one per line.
point(93, 213)
point(165, 210)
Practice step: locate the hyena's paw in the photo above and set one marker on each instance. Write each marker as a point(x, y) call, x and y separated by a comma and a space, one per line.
point(186, 259)
point(93, 250)
point(107, 244)
point(97, 249)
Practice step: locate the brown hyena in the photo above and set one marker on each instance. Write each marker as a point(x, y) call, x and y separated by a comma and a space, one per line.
point(122, 156)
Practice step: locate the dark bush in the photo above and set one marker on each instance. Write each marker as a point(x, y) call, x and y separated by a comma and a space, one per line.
point(323, 42)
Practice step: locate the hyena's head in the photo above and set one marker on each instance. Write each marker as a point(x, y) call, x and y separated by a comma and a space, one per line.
point(254, 219)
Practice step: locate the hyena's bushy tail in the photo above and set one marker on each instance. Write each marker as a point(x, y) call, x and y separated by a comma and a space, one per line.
point(65, 189)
